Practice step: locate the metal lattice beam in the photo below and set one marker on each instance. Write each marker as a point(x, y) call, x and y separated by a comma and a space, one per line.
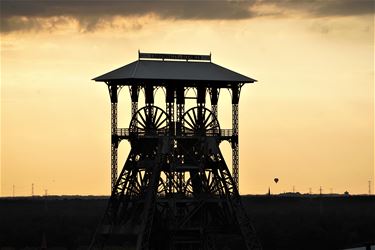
point(113, 92)
point(114, 153)
point(235, 148)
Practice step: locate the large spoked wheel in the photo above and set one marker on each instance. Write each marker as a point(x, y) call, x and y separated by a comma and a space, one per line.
point(200, 121)
point(149, 120)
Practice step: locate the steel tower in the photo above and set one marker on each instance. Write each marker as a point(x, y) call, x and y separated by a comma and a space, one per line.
point(175, 190)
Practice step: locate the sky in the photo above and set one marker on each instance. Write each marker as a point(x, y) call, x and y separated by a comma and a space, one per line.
point(309, 120)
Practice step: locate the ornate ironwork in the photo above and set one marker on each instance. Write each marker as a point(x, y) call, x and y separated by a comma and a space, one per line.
point(113, 92)
point(150, 120)
point(200, 121)
point(234, 144)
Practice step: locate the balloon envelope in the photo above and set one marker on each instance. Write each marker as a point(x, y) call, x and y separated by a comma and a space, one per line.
point(276, 180)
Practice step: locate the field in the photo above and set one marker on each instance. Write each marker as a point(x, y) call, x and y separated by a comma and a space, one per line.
point(282, 222)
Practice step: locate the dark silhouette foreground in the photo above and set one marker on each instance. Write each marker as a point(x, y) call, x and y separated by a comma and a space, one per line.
point(301, 222)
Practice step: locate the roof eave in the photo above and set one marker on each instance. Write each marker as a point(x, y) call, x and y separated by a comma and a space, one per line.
point(145, 80)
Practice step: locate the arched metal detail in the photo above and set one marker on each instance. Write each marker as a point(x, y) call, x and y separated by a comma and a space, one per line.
point(200, 121)
point(150, 120)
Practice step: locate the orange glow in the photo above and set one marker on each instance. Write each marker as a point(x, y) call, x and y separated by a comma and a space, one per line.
point(308, 120)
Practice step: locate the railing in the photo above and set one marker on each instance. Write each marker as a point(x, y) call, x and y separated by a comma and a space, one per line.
point(126, 132)
point(123, 132)
point(226, 132)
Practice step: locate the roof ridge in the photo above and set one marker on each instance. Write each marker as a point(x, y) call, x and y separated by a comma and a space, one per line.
point(135, 69)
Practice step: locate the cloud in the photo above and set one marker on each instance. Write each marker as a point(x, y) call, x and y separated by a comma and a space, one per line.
point(20, 15)
point(164, 9)
point(326, 8)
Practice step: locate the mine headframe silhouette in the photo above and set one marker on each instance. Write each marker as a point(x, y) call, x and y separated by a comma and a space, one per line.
point(175, 190)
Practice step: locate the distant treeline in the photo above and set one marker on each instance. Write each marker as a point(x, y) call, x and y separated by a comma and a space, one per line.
point(282, 222)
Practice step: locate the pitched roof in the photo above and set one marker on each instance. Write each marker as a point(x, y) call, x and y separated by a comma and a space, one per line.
point(169, 70)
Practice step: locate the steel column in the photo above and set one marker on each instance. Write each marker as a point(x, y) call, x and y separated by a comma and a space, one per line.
point(114, 139)
point(214, 93)
point(234, 141)
point(134, 93)
point(169, 103)
point(180, 101)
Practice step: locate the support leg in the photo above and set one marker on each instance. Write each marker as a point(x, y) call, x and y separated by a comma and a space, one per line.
point(114, 154)
point(114, 144)
point(235, 148)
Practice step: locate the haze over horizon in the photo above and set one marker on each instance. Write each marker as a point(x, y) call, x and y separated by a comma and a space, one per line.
point(309, 120)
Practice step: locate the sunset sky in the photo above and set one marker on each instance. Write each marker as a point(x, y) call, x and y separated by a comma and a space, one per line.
point(309, 120)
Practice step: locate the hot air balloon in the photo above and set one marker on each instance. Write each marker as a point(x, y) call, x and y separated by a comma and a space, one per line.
point(276, 180)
